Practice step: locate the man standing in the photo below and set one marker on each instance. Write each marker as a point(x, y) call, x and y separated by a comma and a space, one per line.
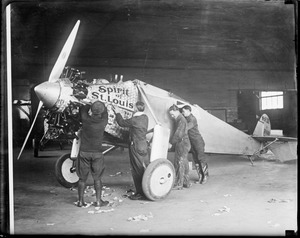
point(182, 145)
point(90, 158)
point(197, 144)
point(138, 148)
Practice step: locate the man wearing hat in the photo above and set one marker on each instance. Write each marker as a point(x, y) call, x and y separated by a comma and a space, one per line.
point(90, 158)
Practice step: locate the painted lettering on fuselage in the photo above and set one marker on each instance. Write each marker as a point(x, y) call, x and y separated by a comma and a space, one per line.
point(123, 95)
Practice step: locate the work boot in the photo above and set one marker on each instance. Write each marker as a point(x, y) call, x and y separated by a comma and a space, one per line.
point(199, 172)
point(137, 196)
point(187, 185)
point(205, 173)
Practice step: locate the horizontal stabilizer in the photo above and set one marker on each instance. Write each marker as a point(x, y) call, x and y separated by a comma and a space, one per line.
point(284, 151)
point(272, 138)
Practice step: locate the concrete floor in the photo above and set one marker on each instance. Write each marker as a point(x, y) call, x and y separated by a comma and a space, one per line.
point(239, 199)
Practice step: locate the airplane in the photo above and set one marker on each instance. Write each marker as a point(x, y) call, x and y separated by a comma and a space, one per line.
point(65, 92)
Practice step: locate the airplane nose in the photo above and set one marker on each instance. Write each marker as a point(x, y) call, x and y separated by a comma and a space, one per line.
point(48, 93)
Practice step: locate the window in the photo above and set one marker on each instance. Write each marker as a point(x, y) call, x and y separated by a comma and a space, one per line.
point(271, 100)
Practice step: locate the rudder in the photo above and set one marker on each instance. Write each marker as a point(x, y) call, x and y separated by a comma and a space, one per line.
point(263, 126)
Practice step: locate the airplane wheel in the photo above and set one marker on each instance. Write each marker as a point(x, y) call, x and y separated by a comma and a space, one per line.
point(158, 179)
point(65, 173)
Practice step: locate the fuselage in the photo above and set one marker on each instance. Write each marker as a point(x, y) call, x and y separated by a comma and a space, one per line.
point(219, 136)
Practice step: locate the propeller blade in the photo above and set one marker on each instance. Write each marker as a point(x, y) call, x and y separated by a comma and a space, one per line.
point(28, 134)
point(64, 55)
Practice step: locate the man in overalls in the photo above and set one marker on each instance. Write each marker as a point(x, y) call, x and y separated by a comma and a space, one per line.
point(138, 148)
point(182, 145)
point(197, 144)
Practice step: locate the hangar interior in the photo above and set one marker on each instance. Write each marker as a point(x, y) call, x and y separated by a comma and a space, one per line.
point(219, 54)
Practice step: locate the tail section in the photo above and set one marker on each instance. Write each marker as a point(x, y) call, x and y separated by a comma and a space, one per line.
point(263, 126)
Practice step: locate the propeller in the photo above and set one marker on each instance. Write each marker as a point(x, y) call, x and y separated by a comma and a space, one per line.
point(55, 73)
point(64, 55)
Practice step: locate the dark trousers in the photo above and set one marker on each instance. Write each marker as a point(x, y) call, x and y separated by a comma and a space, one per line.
point(90, 162)
point(197, 150)
point(181, 164)
point(138, 163)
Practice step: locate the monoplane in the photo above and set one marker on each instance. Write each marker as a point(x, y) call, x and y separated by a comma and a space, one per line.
point(65, 92)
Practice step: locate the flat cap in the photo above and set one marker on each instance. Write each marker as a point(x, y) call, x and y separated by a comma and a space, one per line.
point(97, 107)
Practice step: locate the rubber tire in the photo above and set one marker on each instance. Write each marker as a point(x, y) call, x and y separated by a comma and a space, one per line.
point(151, 184)
point(63, 174)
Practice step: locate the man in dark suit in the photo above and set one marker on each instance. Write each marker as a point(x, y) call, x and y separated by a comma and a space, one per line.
point(138, 148)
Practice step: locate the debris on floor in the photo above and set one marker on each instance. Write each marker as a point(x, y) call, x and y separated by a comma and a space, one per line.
point(104, 187)
point(89, 191)
point(141, 217)
point(117, 199)
point(105, 194)
point(144, 202)
point(273, 200)
point(53, 192)
point(273, 225)
point(227, 195)
point(116, 174)
point(116, 202)
point(98, 210)
point(106, 191)
point(222, 210)
point(129, 192)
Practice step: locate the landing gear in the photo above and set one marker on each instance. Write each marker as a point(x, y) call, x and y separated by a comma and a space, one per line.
point(158, 179)
point(65, 171)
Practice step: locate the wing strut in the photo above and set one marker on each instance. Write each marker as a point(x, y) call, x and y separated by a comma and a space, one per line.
point(256, 152)
point(147, 102)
